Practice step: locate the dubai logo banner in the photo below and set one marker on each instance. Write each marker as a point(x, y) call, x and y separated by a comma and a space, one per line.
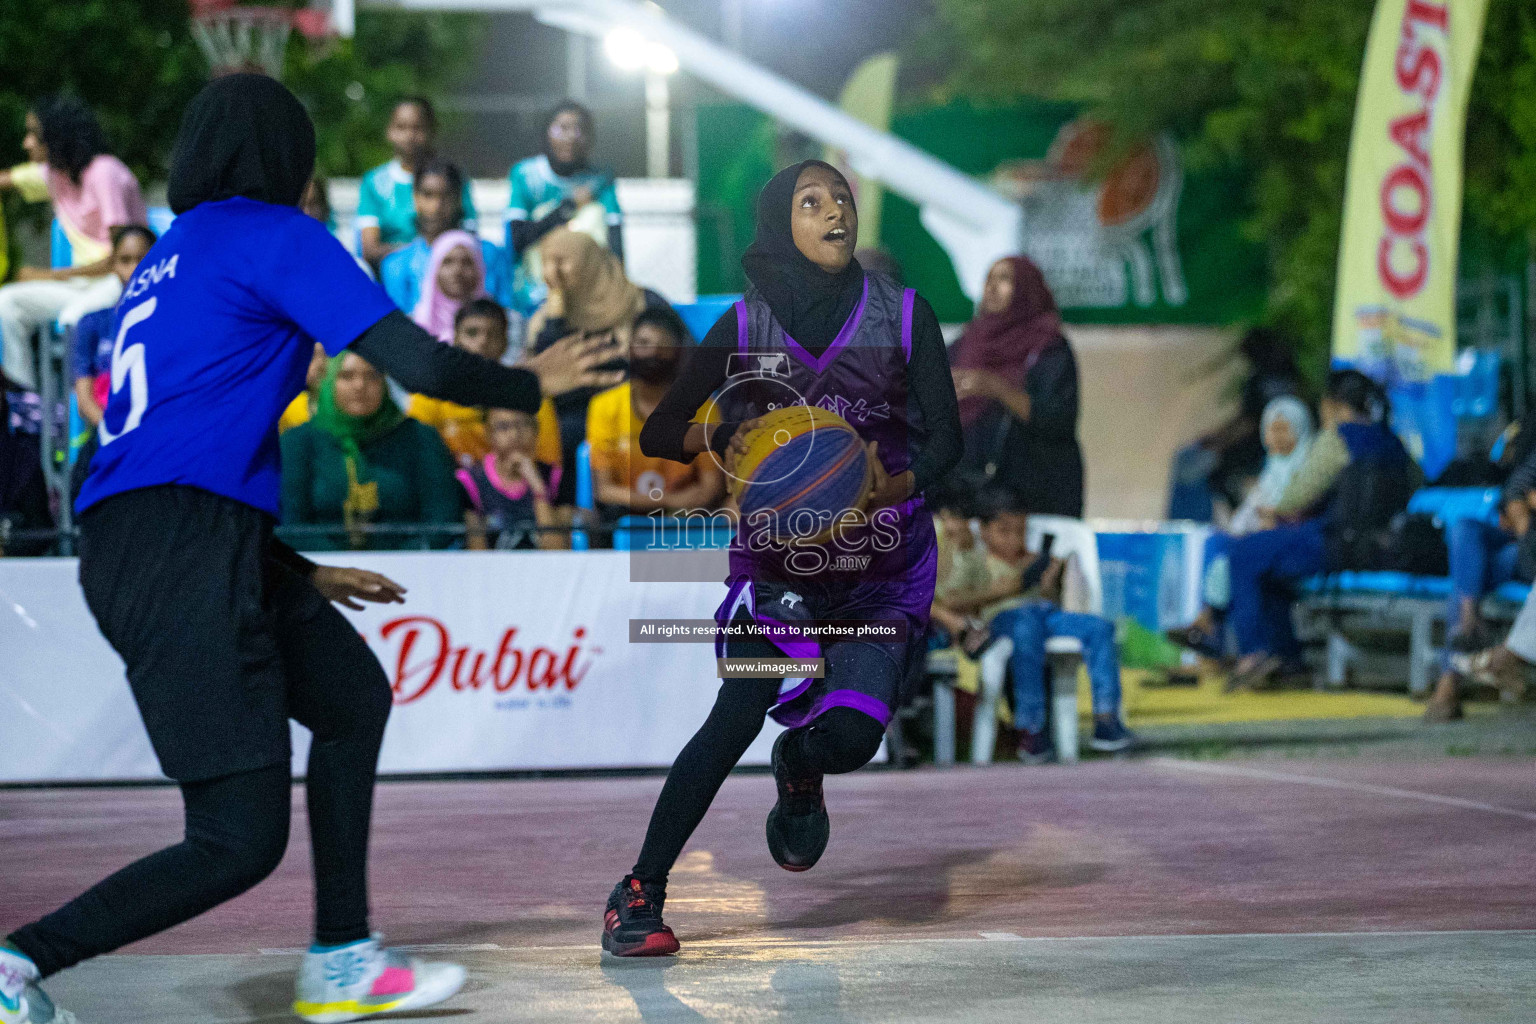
point(1395, 312)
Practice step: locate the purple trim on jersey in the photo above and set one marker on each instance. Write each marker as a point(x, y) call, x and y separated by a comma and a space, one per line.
point(468, 480)
point(871, 706)
point(908, 297)
point(785, 696)
point(844, 336)
point(787, 641)
point(741, 326)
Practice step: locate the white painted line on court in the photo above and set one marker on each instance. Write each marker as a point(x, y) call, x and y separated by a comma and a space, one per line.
point(1001, 936)
point(781, 942)
point(428, 947)
point(1358, 787)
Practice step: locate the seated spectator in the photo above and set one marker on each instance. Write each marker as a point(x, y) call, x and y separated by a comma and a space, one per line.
point(91, 353)
point(362, 462)
point(92, 193)
point(23, 492)
point(1287, 432)
point(1337, 510)
point(623, 479)
point(386, 211)
point(558, 188)
point(1020, 603)
point(1221, 463)
point(1502, 668)
point(590, 296)
point(480, 327)
point(455, 275)
point(302, 408)
point(1016, 377)
point(439, 210)
point(1484, 556)
point(316, 203)
point(511, 490)
point(962, 564)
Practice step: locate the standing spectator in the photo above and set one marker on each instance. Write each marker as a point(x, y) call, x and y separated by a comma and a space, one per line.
point(480, 327)
point(386, 212)
point(92, 192)
point(1016, 378)
point(91, 353)
point(510, 489)
point(439, 209)
point(588, 295)
point(623, 479)
point(559, 188)
point(360, 461)
point(1336, 514)
point(1223, 462)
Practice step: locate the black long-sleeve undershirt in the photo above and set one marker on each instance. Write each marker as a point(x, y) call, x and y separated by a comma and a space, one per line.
point(938, 443)
point(524, 233)
point(423, 365)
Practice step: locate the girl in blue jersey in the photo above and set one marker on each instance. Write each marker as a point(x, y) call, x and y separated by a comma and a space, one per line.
point(225, 632)
point(843, 339)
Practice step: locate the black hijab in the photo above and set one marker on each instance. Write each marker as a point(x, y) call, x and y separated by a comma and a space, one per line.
point(810, 304)
point(243, 135)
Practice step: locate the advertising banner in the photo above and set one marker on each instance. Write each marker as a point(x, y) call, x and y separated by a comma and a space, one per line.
point(1395, 311)
point(499, 661)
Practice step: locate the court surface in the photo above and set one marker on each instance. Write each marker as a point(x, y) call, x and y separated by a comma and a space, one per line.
point(1276, 890)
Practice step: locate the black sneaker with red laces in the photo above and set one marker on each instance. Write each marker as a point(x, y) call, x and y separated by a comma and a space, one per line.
point(798, 826)
point(632, 924)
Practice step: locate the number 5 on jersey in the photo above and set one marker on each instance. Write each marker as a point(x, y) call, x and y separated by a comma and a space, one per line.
point(128, 365)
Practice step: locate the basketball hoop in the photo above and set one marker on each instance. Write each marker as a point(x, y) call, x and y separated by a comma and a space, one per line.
point(239, 38)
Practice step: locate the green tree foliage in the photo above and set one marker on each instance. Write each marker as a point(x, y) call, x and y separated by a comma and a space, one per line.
point(351, 85)
point(134, 61)
point(1263, 86)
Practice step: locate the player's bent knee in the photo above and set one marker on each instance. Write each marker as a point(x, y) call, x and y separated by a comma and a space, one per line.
point(852, 737)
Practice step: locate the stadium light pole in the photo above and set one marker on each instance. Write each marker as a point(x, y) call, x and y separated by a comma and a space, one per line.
point(631, 51)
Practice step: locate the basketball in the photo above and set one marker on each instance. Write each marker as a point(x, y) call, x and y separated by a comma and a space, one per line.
point(802, 460)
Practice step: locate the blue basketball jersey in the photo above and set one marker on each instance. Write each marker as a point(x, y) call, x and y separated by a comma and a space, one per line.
point(212, 337)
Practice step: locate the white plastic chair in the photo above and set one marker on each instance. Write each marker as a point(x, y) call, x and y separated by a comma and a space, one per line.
point(1083, 591)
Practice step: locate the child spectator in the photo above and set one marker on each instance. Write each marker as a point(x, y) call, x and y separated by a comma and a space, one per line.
point(962, 567)
point(511, 489)
point(480, 327)
point(91, 354)
point(439, 209)
point(1021, 604)
point(92, 193)
point(360, 461)
point(623, 479)
point(555, 189)
point(386, 212)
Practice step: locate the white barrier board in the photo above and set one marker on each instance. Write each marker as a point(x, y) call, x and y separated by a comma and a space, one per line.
point(499, 661)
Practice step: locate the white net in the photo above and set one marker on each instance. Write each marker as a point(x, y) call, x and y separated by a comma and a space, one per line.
point(243, 38)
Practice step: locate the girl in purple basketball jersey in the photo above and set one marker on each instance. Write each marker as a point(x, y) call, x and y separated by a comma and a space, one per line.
point(815, 329)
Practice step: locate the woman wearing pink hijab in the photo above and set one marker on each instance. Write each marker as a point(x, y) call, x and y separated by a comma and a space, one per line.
point(1017, 381)
point(455, 275)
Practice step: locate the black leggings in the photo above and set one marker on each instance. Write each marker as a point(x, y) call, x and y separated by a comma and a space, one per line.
point(839, 740)
point(237, 825)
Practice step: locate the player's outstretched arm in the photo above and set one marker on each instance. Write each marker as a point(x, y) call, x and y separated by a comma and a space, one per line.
point(424, 365)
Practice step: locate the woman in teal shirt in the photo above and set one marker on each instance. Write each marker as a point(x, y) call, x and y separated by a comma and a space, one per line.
point(359, 462)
